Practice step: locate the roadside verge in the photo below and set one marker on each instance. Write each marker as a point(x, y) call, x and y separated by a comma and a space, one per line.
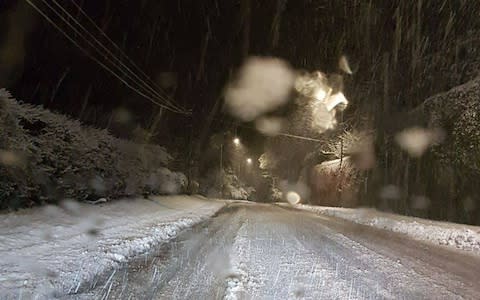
point(452, 235)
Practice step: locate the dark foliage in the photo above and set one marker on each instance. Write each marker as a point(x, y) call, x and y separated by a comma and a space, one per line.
point(448, 173)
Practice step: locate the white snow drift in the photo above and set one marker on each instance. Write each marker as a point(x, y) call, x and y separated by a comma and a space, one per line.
point(456, 236)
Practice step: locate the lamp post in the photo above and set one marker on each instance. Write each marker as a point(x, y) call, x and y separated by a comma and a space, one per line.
point(237, 143)
point(221, 156)
point(248, 168)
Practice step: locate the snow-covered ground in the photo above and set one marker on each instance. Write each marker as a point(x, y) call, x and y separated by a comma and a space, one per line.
point(250, 251)
point(51, 251)
point(457, 236)
point(259, 251)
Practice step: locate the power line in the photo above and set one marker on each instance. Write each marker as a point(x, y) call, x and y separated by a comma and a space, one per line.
point(159, 91)
point(294, 136)
point(299, 137)
point(152, 99)
point(117, 47)
point(105, 56)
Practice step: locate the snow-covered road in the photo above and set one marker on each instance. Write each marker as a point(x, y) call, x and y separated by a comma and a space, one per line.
point(47, 252)
point(253, 251)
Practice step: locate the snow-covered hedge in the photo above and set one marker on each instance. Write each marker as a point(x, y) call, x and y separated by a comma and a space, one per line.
point(448, 173)
point(45, 157)
point(458, 113)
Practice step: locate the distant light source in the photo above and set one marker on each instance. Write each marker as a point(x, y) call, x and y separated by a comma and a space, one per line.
point(236, 141)
point(249, 161)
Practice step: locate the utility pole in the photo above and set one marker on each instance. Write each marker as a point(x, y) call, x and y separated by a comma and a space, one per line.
point(221, 167)
point(341, 157)
point(341, 140)
point(221, 157)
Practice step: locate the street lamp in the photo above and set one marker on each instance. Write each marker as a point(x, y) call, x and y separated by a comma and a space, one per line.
point(236, 141)
point(249, 161)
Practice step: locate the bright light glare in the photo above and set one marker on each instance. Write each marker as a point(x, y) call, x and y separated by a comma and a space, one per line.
point(320, 94)
point(334, 100)
point(322, 119)
point(236, 141)
point(293, 197)
point(249, 161)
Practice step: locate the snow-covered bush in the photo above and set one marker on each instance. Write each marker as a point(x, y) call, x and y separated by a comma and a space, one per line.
point(45, 157)
point(225, 184)
point(233, 188)
point(164, 181)
point(277, 194)
point(15, 147)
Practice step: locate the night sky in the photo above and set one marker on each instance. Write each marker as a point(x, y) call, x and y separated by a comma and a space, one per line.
point(202, 43)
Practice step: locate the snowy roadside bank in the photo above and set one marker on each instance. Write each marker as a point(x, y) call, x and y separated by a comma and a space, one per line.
point(50, 251)
point(456, 236)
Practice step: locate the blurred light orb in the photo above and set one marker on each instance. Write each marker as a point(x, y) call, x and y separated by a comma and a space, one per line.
point(390, 192)
point(269, 126)
point(420, 202)
point(293, 197)
point(236, 141)
point(121, 116)
point(416, 140)
point(249, 161)
point(262, 85)
point(9, 158)
point(469, 204)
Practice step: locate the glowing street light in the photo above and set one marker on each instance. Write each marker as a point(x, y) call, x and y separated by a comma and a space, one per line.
point(249, 161)
point(236, 141)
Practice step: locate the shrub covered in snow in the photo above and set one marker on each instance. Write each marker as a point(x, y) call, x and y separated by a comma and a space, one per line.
point(458, 113)
point(164, 181)
point(225, 184)
point(45, 157)
point(234, 188)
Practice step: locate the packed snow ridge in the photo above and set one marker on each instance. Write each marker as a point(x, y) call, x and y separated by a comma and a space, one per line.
point(456, 236)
